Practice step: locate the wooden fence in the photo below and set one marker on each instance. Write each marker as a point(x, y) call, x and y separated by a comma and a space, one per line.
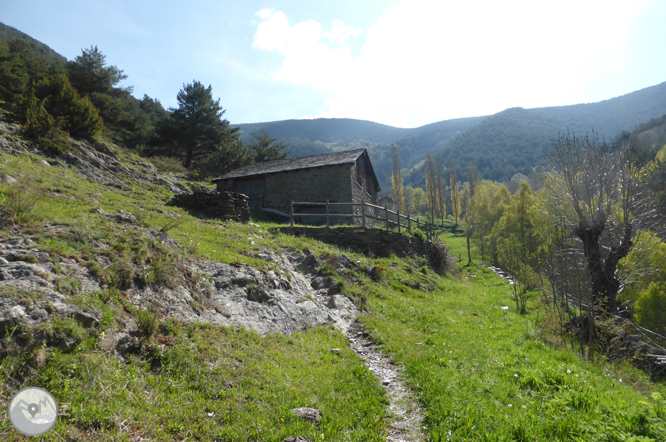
point(389, 223)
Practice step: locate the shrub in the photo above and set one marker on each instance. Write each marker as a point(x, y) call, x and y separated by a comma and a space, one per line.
point(440, 258)
point(418, 234)
point(18, 203)
point(651, 309)
point(377, 272)
point(148, 322)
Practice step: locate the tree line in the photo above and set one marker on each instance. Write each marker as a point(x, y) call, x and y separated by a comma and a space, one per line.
point(83, 99)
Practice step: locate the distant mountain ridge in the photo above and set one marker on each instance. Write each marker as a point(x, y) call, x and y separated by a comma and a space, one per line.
point(501, 145)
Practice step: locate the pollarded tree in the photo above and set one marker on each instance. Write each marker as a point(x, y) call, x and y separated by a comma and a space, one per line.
point(197, 127)
point(600, 197)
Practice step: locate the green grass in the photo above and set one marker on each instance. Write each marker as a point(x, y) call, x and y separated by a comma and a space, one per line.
point(479, 373)
point(485, 374)
point(207, 382)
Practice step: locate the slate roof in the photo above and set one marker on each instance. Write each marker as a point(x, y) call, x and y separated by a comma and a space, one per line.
point(324, 159)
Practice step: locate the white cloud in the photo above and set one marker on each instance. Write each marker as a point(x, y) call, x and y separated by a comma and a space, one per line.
point(425, 61)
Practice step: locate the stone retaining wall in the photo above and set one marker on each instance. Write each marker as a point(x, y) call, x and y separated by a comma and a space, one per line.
point(378, 243)
point(225, 205)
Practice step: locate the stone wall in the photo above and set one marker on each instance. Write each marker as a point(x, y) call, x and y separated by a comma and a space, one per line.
point(377, 243)
point(313, 185)
point(225, 205)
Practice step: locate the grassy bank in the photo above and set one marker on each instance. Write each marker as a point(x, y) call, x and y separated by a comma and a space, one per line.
point(484, 373)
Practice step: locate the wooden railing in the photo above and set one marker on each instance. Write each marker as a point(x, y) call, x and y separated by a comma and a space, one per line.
point(389, 223)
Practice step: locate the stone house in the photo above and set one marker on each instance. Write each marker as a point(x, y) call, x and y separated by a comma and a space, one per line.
point(337, 177)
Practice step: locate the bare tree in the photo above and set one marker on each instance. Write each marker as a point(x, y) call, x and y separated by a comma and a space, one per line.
point(598, 195)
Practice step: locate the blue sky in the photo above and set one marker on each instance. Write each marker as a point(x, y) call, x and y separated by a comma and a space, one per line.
point(399, 62)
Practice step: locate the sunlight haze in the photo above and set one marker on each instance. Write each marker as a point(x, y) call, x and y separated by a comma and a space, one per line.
point(401, 63)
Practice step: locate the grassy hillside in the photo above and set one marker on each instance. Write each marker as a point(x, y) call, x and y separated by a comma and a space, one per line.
point(479, 372)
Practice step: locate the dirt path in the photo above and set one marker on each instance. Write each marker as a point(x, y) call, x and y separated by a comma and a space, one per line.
point(404, 411)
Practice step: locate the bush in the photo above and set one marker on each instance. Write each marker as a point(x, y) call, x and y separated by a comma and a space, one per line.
point(17, 204)
point(54, 107)
point(440, 258)
point(651, 309)
point(418, 234)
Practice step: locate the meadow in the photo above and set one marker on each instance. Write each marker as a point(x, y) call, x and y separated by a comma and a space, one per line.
point(480, 372)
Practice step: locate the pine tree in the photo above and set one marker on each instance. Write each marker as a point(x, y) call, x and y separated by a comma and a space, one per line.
point(197, 127)
point(266, 148)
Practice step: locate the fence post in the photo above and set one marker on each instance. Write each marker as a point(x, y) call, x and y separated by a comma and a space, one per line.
point(328, 218)
point(409, 223)
point(398, 214)
point(292, 213)
point(387, 221)
point(363, 212)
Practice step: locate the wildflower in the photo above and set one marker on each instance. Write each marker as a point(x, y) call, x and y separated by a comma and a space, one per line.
point(510, 405)
point(568, 371)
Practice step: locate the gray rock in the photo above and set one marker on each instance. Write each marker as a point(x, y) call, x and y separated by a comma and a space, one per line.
point(88, 320)
point(320, 283)
point(296, 439)
point(257, 294)
point(339, 302)
point(8, 179)
point(311, 415)
point(312, 262)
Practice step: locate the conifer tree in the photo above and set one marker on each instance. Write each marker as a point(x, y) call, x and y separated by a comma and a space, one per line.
point(266, 148)
point(197, 128)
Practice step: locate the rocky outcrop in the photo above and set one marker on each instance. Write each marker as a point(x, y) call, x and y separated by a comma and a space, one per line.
point(36, 288)
point(95, 161)
point(225, 205)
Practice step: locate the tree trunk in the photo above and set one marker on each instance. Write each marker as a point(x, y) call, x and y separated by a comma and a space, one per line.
point(605, 284)
point(469, 253)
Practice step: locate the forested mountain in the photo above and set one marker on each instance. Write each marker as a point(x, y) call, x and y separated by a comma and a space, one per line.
point(509, 142)
point(8, 33)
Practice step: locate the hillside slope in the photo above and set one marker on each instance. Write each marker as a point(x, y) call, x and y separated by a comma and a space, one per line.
point(7, 33)
point(139, 318)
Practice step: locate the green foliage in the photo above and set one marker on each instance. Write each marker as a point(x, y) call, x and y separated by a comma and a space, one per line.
point(74, 114)
point(650, 309)
point(645, 264)
point(225, 158)
point(265, 148)
point(20, 67)
point(18, 204)
point(90, 74)
point(197, 128)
